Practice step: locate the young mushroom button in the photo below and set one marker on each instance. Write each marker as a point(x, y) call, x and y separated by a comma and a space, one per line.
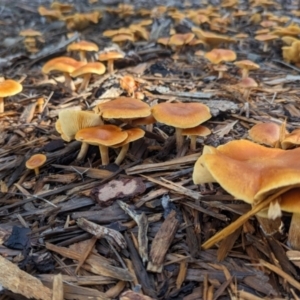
point(35, 162)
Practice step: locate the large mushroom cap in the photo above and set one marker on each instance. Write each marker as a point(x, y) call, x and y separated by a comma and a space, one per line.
point(62, 64)
point(181, 115)
point(10, 87)
point(124, 108)
point(107, 135)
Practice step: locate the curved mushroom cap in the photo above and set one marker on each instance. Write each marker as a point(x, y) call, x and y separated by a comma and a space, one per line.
point(89, 68)
point(71, 121)
point(181, 115)
point(216, 56)
point(265, 133)
point(29, 32)
point(62, 64)
point(106, 135)
point(10, 87)
point(266, 37)
point(247, 83)
point(180, 39)
point(36, 161)
point(291, 140)
point(124, 108)
point(111, 55)
point(247, 64)
point(200, 172)
point(122, 38)
point(199, 130)
point(252, 175)
point(290, 201)
point(133, 135)
point(83, 46)
point(143, 121)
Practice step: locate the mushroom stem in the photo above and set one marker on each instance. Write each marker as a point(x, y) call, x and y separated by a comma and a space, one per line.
point(69, 82)
point(104, 154)
point(110, 66)
point(265, 48)
point(245, 73)
point(1, 105)
point(122, 154)
point(83, 151)
point(37, 171)
point(82, 56)
point(179, 139)
point(193, 142)
point(84, 83)
point(294, 237)
point(220, 74)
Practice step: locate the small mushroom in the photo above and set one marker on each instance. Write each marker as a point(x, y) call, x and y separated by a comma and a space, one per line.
point(86, 71)
point(8, 88)
point(103, 136)
point(194, 132)
point(266, 39)
point(63, 64)
point(180, 116)
point(128, 84)
point(133, 135)
point(246, 65)
point(83, 47)
point(110, 57)
point(35, 162)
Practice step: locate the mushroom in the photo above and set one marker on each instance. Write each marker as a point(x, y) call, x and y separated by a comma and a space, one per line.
point(124, 108)
point(30, 36)
point(70, 121)
point(247, 84)
point(49, 14)
point(8, 88)
point(128, 84)
point(180, 116)
point(291, 140)
point(246, 65)
point(103, 136)
point(121, 39)
point(83, 47)
point(86, 71)
point(35, 162)
point(266, 39)
point(266, 133)
point(133, 135)
point(217, 56)
point(194, 132)
point(180, 39)
point(251, 172)
point(63, 64)
point(110, 57)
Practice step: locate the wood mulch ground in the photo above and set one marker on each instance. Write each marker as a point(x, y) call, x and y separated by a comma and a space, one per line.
point(146, 244)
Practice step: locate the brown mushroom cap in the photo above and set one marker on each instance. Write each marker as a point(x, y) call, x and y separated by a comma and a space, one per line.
point(36, 161)
point(246, 65)
point(89, 68)
point(29, 32)
point(199, 130)
point(133, 135)
point(265, 133)
point(181, 115)
point(112, 55)
point(181, 39)
point(266, 37)
point(83, 46)
point(291, 140)
point(217, 56)
point(62, 64)
point(10, 87)
point(247, 83)
point(124, 108)
point(252, 172)
point(107, 135)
